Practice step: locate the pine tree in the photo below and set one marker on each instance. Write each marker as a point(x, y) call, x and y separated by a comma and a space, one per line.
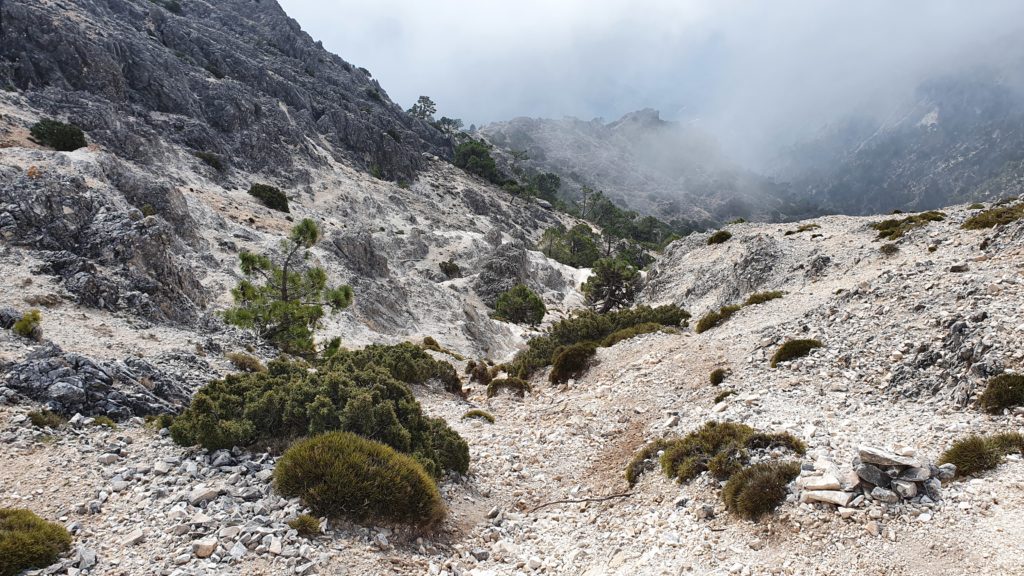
point(614, 284)
point(282, 299)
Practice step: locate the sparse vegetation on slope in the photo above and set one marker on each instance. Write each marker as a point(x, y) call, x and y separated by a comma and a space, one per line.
point(717, 376)
point(995, 216)
point(479, 414)
point(588, 326)
point(341, 474)
point(627, 333)
point(28, 326)
point(514, 385)
point(762, 297)
point(571, 362)
point(755, 491)
point(306, 525)
point(246, 362)
point(894, 228)
point(801, 229)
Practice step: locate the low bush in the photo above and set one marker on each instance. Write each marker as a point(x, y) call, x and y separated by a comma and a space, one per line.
point(643, 460)
point(340, 474)
point(479, 414)
point(888, 249)
point(895, 228)
point(719, 237)
point(306, 525)
point(716, 317)
point(246, 362)
point(794, 349)
point(211, 160)
point(717, 376)
point(687, 457)
point(450, 269)
point(478, 372)
point(755, 491)
point(723, 395)
point(159, 421)
point(976, 206)
point(517, 386)
point(1002, 392)
point(520, 305)
point(46, 419)
point(802, 228)
point(995, 216)
point(430, 344)
point(27, 541)
point(627, 333)
point(972, 455)
point(762, 297)
point(365, 392)
point(270, 196)
point(588, 326)
point(58, 135)
point(104, 421)
point(28, 326)
point(571, 362)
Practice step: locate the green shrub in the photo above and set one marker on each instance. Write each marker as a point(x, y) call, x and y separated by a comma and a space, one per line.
point(888, 249)
point(450, 269)
point(723, 395)
point(306, 525)
point(995, 216)
point(719, 237)
point(716, 317)
point(762, 297)
point(1002, 392)
point(213, 161)
point(755, 491)
point(588, 326)
point(642, 460)
point(475, 157)
point(430, 344)
point(717, 376)
point(148, 209)
point(480, 414)
point(364, 391)
point(976, 206)
point(58, 135)
point(46, 419)
point(246, 362)
point(773, 440)
point(340, 474)
point(27, 541)
point(627, 333)
point(1007, 442)
point(520, 305)
point(728, 461)
point(571, 362)
point(104, 421)
point(972, 455)
point(517, 386)
point(478, 372)
point(270, 196)
point(895, 228)
point(794, 349)
point(802, 228)
point(29, 325)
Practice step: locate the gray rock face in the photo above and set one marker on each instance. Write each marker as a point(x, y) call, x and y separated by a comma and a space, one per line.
point(87, 236)
point(235, 78)
point(502, 271)
point(68, 383)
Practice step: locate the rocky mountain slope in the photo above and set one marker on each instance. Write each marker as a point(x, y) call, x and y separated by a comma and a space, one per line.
point(957, 140)
point(908, 340)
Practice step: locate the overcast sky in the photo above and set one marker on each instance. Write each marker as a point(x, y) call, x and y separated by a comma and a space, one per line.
point(761, 66)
